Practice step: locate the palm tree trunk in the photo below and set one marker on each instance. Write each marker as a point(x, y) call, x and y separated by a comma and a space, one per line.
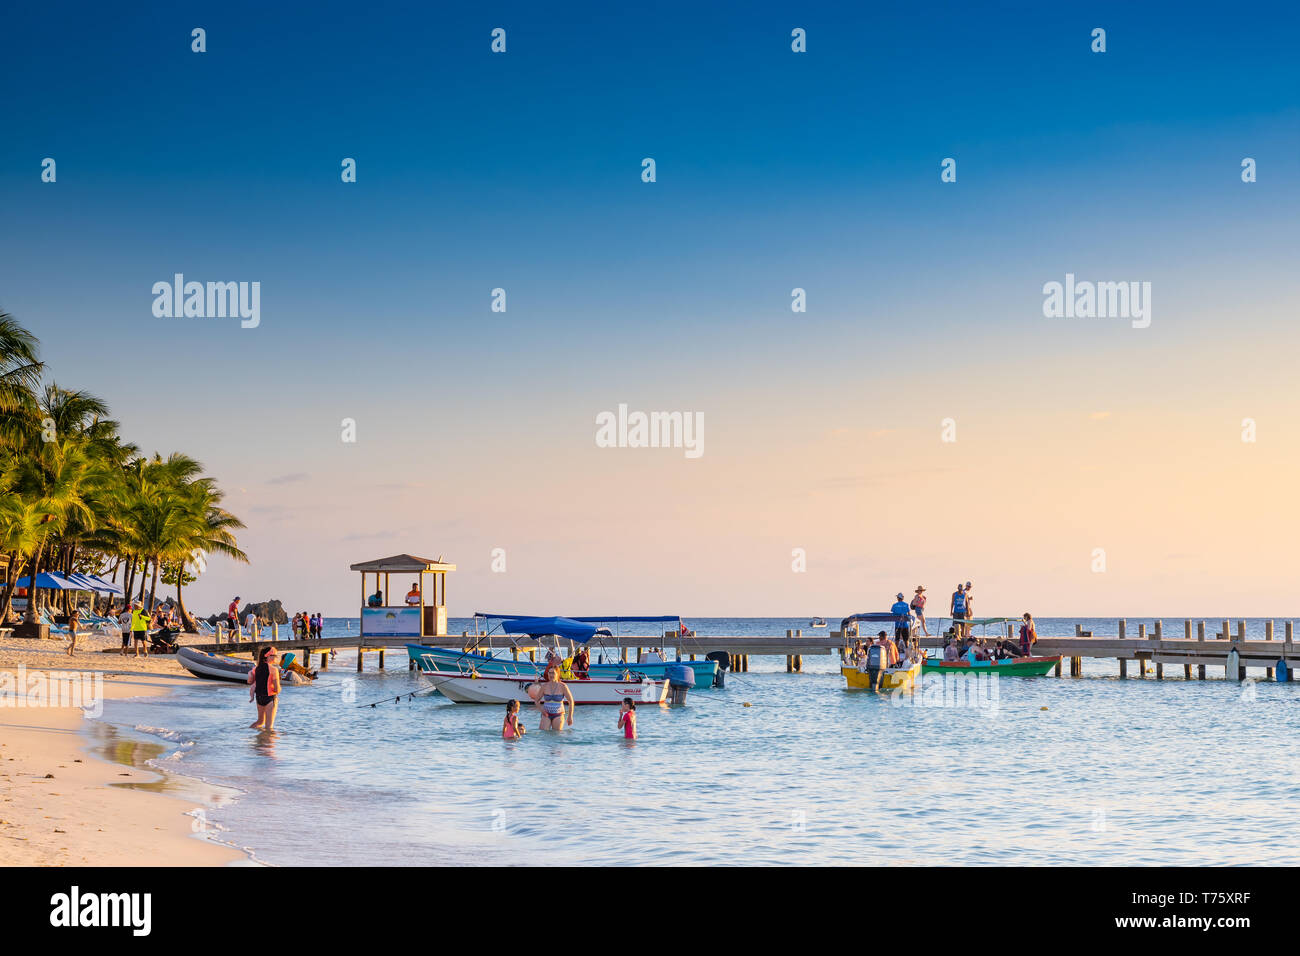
point(11, 585)
point(153, 588)
point(186, 621)
point(128, 580)
point(32, 592)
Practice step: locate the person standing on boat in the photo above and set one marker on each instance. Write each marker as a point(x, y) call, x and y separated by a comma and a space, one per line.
point(876, 660)
point(957, 611)
point(918, 606)
point(902, 619)
point(552, 697)
point(582, 663)
point(1028, 636)
point(970, 607)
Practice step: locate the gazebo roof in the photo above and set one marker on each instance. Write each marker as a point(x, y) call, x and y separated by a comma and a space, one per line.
point(402, 564)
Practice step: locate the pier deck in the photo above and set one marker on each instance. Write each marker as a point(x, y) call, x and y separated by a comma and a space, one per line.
point(1145, 649)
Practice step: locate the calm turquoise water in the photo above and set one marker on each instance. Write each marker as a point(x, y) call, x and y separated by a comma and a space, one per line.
point(1090, 771)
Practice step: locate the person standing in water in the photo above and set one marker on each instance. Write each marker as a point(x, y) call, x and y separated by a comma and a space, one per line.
point(265, 689)
point(553, 694)
point(512, 728)
point(627, 718)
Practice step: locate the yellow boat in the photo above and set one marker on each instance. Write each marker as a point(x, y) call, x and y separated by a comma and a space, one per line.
point(894, 678)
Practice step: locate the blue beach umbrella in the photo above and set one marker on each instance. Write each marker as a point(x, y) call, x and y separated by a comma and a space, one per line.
point(52, 582)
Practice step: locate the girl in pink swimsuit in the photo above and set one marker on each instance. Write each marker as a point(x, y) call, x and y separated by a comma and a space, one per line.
point(627, 718)
point(512, 728)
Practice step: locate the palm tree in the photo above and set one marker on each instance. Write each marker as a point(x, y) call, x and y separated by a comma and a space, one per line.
point(56, 482)
point(20, 373)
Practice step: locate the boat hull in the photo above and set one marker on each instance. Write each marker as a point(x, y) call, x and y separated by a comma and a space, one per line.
point(1011, 667)
point(895, 678)
point(499, 689)
point(214, 666)
point(705, 671)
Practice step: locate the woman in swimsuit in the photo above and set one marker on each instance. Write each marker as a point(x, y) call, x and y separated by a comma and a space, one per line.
point(551, 700)
point(265, 679)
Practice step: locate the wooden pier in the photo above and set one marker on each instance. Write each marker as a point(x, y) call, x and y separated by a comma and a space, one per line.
point(1146, 653)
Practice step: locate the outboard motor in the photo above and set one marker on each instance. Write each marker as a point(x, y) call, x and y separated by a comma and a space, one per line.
point(724, 662)
point(680, 679)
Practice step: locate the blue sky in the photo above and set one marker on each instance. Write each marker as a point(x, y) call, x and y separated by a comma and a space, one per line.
point(522, 170)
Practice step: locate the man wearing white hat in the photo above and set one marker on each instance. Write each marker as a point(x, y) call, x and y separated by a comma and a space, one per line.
point(902, 618)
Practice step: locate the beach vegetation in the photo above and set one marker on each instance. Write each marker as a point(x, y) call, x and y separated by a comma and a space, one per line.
point(75, 497)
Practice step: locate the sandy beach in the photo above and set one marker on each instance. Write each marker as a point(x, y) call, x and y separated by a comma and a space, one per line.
point(58, 807)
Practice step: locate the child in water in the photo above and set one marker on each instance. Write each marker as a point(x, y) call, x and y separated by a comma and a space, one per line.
point(512, 727)
point(627, 718)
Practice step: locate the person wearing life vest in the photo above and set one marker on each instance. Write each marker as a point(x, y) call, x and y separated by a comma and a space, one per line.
point(1028, 635)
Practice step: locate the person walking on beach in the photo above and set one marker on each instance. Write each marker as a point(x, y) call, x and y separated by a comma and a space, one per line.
point(139, 629)
point(553, 694)
point(265, 689)
point(512, 728)
point(72, 633)
point(627, 718)
point(918, 605)
point(124, 625)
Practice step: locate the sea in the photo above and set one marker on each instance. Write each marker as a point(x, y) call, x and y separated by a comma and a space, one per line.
point(774, 769)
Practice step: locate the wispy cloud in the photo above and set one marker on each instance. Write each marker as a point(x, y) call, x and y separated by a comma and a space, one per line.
point(289, 479)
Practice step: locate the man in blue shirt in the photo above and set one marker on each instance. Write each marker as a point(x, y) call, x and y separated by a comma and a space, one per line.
point(902, 618)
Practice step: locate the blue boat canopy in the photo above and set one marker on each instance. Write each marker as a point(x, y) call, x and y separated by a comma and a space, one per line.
point(564, 627)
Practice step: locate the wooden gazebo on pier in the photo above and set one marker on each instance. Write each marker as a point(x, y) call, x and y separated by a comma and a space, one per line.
point(383, 616)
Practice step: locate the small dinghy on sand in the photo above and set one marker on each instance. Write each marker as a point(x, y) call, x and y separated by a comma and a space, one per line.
point(214, 666)
point(224, 667)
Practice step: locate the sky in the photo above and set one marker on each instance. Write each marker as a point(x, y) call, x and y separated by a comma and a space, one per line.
point(1097, 468)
